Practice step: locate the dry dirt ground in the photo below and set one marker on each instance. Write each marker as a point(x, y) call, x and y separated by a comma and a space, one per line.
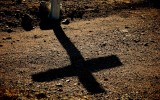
point(114, 57)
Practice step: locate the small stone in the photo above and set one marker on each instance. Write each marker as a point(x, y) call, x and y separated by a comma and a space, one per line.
point(60, 90)
point(124, 31)
point(103, 45)
point(7, 26)
point(142, 33)
point(38, 86)
point(59, 85)
point(33, 90)
point(128, 35)
point(146, 44)
point(105, 79)
point(124, 38)
point(66, 21)
point(67, 80)
point(75, 84)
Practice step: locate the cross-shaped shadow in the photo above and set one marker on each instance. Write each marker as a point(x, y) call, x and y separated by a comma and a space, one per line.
point(79, 67)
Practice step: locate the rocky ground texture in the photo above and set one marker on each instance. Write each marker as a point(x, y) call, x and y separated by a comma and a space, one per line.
point(109, 51)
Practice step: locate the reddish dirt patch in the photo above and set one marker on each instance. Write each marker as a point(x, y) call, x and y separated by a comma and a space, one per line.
point(120, 52)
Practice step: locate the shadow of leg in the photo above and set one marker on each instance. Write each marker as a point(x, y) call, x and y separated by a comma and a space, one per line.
point(84, 75)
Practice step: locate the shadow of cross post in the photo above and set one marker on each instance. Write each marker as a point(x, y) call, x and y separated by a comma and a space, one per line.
point(79, 67)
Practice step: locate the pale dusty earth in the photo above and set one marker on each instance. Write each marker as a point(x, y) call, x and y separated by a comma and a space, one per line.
point(116, 57)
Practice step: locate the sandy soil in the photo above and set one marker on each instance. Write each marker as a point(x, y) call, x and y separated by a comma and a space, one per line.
point(115, 57)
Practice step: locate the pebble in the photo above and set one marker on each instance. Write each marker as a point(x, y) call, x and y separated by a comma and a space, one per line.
point(75, 84)
point(103, 45)
point(33, 90)
point(124, 38)
point(8, 29)
point(128, 35)
point(105, 79)
point(7, 26)
point(38, 86)
point(146, 44)
point(59, 85)
point(67, 80)
point(66, 21)
point(124, 31)
point(142, 33)
point(60, 90)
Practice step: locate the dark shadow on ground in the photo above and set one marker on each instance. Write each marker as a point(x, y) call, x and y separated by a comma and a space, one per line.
point(79, 67)
point(142, 4)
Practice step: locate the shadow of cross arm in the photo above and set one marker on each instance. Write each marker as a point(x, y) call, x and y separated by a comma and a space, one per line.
point(79, 67)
